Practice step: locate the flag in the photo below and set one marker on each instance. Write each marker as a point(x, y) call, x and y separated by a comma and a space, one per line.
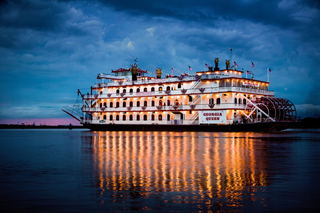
point(189, 67)
point(231, 49)
point(270, 70)
point(205, 65)
point(248, 72)
point(252, 64)
point(235, 63)
point(172, 70)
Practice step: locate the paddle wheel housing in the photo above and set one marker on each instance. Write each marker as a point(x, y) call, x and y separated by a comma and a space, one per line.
point(270, 109)
point(280, 109)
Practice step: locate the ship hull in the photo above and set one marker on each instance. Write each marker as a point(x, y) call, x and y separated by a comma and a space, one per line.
point(251, 127)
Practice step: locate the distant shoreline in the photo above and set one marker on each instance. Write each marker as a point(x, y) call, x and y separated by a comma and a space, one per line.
point(17, 126)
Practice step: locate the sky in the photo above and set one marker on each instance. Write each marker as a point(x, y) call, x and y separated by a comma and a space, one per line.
point(49, 49)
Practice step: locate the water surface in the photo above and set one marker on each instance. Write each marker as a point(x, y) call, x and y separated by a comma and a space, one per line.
point(83, 171)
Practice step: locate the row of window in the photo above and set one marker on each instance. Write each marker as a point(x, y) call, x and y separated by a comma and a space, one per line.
point(138, 117)
point(145, 103)
point(236, 101)
point(146, 89)
point(239, 101)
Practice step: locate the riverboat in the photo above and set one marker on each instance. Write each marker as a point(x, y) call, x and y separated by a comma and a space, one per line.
point(212, 100)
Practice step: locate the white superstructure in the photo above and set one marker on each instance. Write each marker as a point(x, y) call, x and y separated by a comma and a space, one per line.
point(213, 97)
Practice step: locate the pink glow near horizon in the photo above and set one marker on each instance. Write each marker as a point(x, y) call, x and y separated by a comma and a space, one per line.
point(41, 121)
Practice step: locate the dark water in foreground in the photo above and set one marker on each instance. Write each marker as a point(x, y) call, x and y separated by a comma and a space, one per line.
point(83, 171)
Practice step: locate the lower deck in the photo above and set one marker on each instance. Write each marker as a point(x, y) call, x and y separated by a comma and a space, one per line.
point(249, 127)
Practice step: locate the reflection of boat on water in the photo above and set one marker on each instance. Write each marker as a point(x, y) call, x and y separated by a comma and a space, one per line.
point(197, 167)
point(213, 100)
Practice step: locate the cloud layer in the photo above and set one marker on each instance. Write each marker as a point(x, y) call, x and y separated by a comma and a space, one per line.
point(49, 49)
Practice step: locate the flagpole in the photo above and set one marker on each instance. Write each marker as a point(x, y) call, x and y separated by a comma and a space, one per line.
point(251, 71)
point(231, 54)
point(268, 73)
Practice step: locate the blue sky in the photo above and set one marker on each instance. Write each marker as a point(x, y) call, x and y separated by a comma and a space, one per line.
point(49, 49)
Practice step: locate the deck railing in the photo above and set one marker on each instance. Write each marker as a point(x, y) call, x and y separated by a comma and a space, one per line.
point(196, 91)
point(193, 107)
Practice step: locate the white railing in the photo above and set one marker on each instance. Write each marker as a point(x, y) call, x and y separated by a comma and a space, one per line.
point(196, 99)
point(208, 90)
point(139, 122)
point(196, 84)
point(194, 117)
point(195, 107)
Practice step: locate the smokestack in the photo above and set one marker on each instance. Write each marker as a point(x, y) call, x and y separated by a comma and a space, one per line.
point(158, 70)
point(216, 62)
point(227, 64)
point(134, 71)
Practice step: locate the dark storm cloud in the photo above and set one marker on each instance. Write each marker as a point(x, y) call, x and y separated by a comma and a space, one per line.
point(51, 48)
point(268, 12)
point(287, 15)
point(27, 24)
point(37, 15)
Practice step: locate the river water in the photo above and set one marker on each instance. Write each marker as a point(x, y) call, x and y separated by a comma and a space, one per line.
point(84, 171)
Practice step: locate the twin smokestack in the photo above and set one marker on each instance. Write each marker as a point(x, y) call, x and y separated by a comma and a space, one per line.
point(134, 69)
point(216, 64)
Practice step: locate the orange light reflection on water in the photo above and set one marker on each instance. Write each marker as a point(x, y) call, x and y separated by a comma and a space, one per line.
point(202, 165)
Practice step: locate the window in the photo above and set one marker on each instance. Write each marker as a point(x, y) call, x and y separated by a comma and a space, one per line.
point(168, 117)
point(138, 117)
point(131, 117)
point(138, 90)
point(239, 100)
point(152, 89)
point(168, 88)
point(145, 117)
point(138, 103)
point(118, 104)
point(111, 104)
point(160, 117)
point(190, 98)
point(152, 117)
point(124, 91)
point(145, 89)
point(100, 105)
point(179, 85)
point(145, 103)
point(118, 91)
point(160, 88)
point(168, 102)
point(124, 104)
point(117, 117)
point(176, 102)
point(235, 100)
point(160, 102)
point(152, 103)
point(218, 100)
point(244, 101)
point(211, 101)
point(131, 91)
point(111, 118)
point(105, 104)
point(104, 117)
point(131, 104)
point(124, 117)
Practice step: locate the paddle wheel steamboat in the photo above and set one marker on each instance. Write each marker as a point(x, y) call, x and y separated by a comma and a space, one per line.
point(212, 100)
